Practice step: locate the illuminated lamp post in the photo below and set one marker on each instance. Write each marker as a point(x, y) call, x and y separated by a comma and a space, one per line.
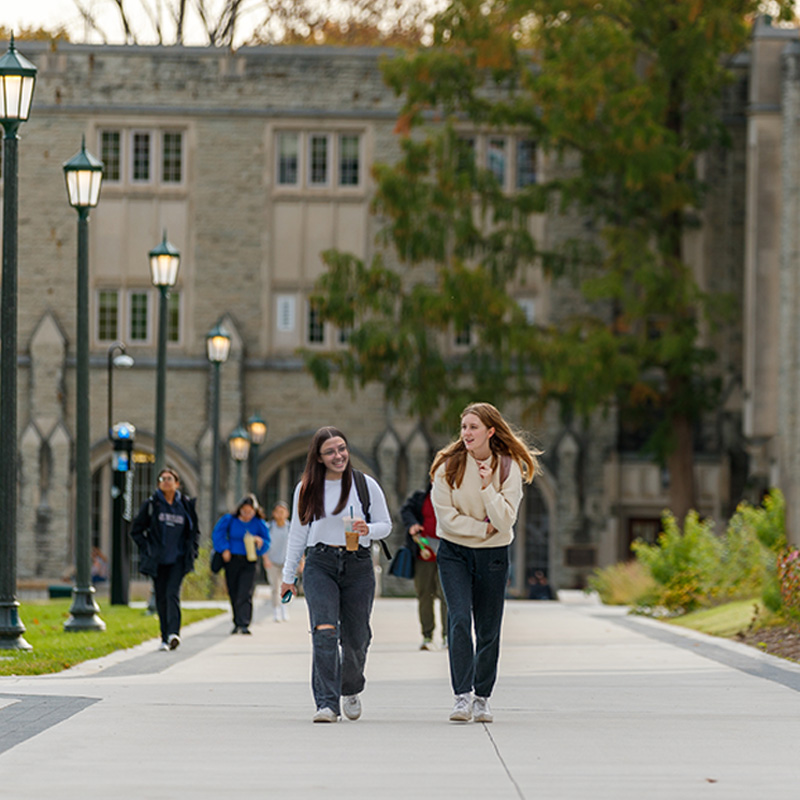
point(84, 177)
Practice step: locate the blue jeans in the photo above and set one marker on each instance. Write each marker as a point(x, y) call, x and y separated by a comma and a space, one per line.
point(474, 583)
point(339, 587)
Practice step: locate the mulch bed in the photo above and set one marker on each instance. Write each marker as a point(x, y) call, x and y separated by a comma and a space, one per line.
point(783, 641)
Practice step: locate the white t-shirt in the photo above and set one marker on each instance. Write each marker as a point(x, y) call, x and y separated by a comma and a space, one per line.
point(330, 529)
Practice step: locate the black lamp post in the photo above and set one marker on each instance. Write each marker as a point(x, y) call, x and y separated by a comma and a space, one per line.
point(257, 428)
point(122, 436)
point(84, 176)
point(17, 79)
point(164, 263)
point(218, 347)
point(239, 445)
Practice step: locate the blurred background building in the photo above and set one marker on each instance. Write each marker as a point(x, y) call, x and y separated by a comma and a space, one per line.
point(256, 161)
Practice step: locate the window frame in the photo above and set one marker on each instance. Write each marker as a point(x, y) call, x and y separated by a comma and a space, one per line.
point(130, 294)
point(165, 132)
point(520, 141)
point(359, 160)
point(134, 181)
point(289, 303)
point(313, 324)
point(98, 318)
point(120, 160)
point(279, 134)
point(311, 137)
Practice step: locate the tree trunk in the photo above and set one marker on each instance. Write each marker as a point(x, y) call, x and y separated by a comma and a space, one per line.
point(680, 464)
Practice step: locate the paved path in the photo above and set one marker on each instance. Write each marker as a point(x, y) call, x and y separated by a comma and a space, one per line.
point(590, 705)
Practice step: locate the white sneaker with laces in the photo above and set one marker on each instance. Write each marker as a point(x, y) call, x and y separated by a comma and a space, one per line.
point(462, 709)
point(163, 646)
point(481, 711)
point(351, 705)
point(325, 715)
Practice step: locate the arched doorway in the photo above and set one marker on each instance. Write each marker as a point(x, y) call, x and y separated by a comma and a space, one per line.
point(144, 481)
point(280, 485)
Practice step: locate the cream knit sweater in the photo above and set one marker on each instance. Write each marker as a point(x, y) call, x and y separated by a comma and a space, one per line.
point(461, 512)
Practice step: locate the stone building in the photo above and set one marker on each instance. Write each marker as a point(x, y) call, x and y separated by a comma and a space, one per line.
point(255, 161)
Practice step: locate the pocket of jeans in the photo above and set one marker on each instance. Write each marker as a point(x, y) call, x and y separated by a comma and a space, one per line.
point(497, 566)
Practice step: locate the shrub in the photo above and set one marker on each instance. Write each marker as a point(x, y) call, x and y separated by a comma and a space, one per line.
point(202, 584)
point(684, 565)
point(789, 582)
point(746, 562)
point(626, 583)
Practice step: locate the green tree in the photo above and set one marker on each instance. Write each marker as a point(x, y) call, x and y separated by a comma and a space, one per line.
point(624, 97)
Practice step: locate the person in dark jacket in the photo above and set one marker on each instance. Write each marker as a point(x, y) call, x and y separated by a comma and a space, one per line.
point(167, 535)
point(419, 520)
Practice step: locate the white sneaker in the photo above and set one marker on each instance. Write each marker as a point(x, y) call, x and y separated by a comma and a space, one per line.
point(174, 641)
point(462, 709)
point(325, 715)
point(285, 613)
point(481, 711)
point(163, 646)
point(427, 644)
point(277, 614)
point(351, 705)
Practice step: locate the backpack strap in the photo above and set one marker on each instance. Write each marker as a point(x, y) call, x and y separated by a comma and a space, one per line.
point(363, 494)
point(366, 501)
point(505, 468)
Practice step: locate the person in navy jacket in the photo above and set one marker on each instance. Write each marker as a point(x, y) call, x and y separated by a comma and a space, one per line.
point(166, 532)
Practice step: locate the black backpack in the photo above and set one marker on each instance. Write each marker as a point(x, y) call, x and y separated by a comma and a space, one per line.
point(366, 501)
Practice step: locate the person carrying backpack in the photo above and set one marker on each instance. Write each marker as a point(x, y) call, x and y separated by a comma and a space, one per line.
point(166, 532)
point(477, 488)
point(339, 583)
point(419, 520)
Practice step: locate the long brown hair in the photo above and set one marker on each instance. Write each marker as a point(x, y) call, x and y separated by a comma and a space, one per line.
point(311, 502)
point(504, 442)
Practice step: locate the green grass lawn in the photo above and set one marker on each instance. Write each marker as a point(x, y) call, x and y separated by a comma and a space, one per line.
point(724, 620)
point(54, 649)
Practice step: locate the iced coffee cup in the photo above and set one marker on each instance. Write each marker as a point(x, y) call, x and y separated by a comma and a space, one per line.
point(350, 534)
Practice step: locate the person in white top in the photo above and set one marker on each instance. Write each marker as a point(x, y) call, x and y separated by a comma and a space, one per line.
point(477, 489)
point(339, 584)
point(275, 557)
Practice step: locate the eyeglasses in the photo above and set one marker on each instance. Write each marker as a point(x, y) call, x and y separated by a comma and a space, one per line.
point(341, 450)
point(163, 478)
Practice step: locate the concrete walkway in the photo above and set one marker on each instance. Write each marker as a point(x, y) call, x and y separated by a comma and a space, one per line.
point(589, 704)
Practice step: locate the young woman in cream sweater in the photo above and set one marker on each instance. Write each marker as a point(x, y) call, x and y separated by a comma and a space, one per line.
point(477, 489)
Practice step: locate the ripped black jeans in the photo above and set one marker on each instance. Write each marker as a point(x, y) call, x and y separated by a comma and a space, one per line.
point(340, 588)
point(474, 583)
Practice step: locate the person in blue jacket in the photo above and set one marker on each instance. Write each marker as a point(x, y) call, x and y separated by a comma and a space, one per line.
point(241, 538)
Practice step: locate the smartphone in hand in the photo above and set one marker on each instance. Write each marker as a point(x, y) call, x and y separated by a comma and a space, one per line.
point(287, 595)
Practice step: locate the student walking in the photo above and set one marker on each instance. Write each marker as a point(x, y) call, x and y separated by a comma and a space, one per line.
point(420, 521)
point(276, 557)
point(241, 538)
point(166, 533)
point(338, 578)
point(477, 489)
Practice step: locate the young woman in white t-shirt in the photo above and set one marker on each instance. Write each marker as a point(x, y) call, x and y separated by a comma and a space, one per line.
point(339, 584)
